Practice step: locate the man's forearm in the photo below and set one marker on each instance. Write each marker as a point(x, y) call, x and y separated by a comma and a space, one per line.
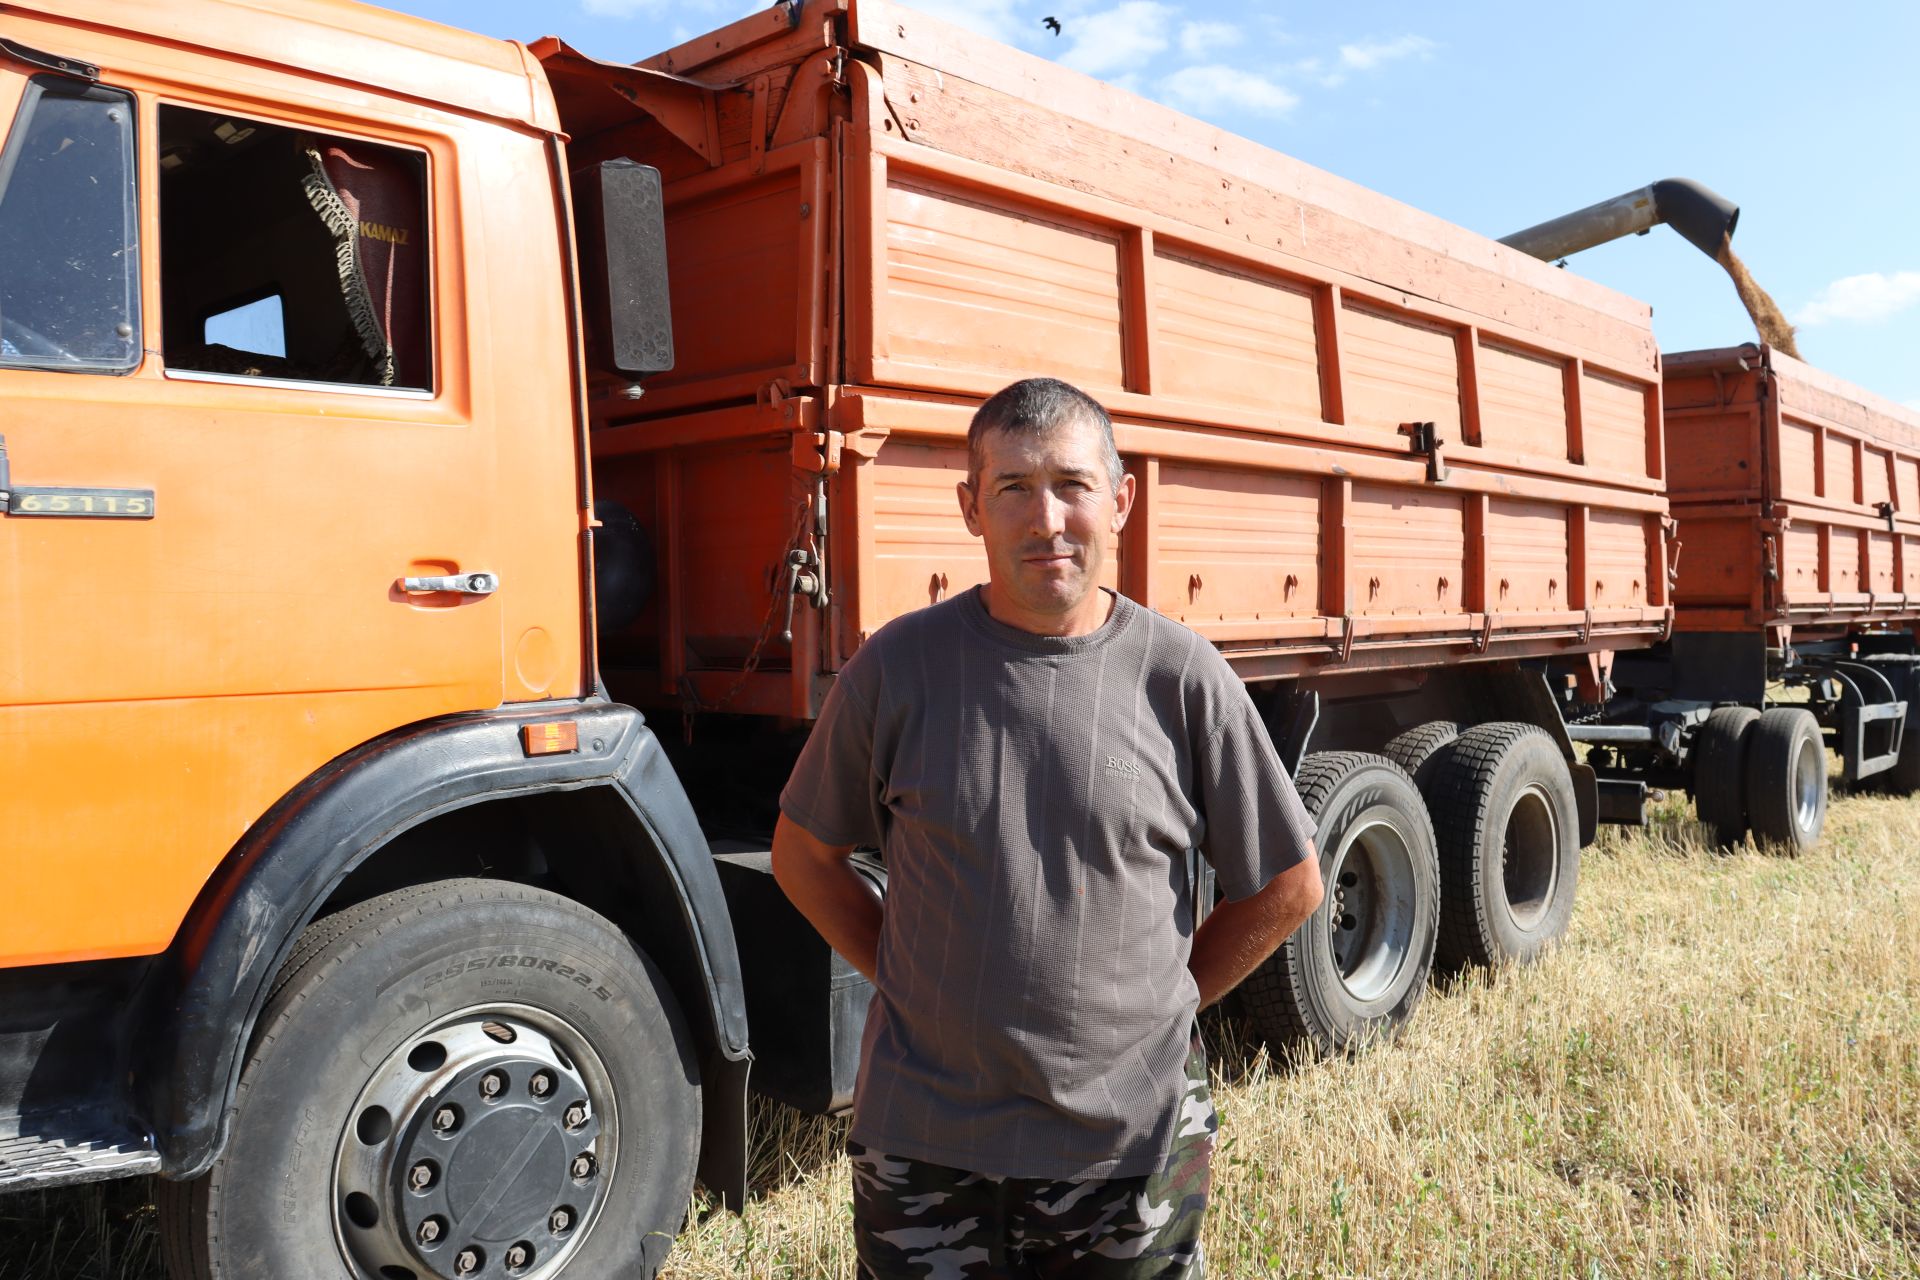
point(836, 900)
point(1237, 936)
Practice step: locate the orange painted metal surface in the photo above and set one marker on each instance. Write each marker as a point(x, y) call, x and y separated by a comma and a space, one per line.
point(901, 219)
point(1797, 496)
point(163, 682)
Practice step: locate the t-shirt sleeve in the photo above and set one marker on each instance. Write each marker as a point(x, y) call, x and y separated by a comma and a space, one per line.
point(833, 791)
point(1256, 825)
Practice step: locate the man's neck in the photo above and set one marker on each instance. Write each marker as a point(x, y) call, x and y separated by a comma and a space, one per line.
point(1083, 619)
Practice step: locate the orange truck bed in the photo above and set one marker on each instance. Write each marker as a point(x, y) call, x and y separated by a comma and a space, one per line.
point(876, 219)
point(1797, 497)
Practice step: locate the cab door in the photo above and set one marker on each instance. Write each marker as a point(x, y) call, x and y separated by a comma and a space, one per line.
point(252, 521)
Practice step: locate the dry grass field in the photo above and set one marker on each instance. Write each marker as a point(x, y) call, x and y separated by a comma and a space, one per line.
point(1718, 1075)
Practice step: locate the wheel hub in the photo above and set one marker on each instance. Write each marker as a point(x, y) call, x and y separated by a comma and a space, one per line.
point(476, 1149)
point(1809, 781)
point(1530, 857)
point(1371, 909)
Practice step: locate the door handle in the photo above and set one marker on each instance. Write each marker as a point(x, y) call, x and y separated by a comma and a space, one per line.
point(467, 584)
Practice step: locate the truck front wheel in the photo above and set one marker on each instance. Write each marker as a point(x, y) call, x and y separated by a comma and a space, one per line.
point(461, 1079)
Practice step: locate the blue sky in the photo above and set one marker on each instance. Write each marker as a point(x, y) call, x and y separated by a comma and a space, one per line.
point(1499, 115)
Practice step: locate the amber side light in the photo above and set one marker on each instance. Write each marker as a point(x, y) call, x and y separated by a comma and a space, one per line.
point(550, 738)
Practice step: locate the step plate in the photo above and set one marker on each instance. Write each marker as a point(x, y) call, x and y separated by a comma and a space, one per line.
point(76, 1155)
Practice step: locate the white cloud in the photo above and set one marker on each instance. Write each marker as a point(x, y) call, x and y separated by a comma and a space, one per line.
point(1118, 39)
point(1198, 39)
point(1315, 70)
point(1365, 55)
point(1201, 89)
point(1863, 299)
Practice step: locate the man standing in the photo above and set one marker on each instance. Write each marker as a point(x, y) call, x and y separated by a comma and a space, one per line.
point(1036, 759)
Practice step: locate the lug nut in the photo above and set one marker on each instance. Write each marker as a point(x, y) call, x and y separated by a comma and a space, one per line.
point(429, 1231)
point(517, 1256)
point(420, 1177)
point(467, 1262)
point(445, 1119)
point(491, 1084)
point(541, 1084)
point(582, 1167)
point(576, 1115)
point(558, 1221)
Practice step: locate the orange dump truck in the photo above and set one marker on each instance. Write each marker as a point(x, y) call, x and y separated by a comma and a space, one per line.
point(443, 476)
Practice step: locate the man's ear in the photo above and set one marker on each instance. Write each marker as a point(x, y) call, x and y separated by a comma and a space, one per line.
point(969, 507)
point(1123, 502)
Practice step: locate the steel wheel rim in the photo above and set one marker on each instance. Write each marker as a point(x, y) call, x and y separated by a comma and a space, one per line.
point(1809, 776)
point(1370, 910)
point(380, 1204)
point(1530, 856)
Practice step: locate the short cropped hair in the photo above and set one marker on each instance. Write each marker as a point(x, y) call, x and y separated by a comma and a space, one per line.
point(1036, 406)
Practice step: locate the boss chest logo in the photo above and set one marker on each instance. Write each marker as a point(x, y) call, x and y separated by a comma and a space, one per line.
point(1118, 768)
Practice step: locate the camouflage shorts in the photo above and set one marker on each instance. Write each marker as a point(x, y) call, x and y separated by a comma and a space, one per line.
point(918, 1221)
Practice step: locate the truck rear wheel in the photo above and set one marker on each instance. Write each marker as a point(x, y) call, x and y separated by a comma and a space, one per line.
point(1720, 774)
point(1355, 970)
point(1418, 748)
point(1787, 779)
point(1509, 835)
point(467, 1078)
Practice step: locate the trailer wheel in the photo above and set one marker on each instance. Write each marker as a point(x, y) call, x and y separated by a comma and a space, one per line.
point(1509, 828)
point(1720, 774)
point(460, 1079)
point(1418, 748)
point(1355, 970)
point(1787, 779)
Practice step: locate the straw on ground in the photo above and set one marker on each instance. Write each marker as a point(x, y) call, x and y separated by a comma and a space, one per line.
point(1718, 1075)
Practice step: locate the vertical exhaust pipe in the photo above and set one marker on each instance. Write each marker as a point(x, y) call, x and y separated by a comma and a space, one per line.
point(1704, 219)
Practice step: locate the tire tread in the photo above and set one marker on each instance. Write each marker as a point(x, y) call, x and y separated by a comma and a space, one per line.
point(1772, 745)
point(1460, 797)
point(189, 1223)
point(1417, 750)
point(1273, 994)
point(1720, 774)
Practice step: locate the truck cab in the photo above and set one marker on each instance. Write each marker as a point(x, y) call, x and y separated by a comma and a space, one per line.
point(295, 566)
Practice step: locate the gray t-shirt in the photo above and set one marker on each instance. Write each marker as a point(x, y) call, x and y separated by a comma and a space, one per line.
point(1036, 799)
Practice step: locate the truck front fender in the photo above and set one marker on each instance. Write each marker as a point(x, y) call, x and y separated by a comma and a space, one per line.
point(208, 993)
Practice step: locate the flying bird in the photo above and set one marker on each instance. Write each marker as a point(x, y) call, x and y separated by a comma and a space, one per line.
point(1051, 24)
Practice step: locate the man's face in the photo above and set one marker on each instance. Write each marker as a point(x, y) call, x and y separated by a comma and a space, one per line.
point(1045, 508)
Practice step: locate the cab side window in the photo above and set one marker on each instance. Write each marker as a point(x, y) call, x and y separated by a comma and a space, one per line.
point(292, 255)
point(69, 231)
